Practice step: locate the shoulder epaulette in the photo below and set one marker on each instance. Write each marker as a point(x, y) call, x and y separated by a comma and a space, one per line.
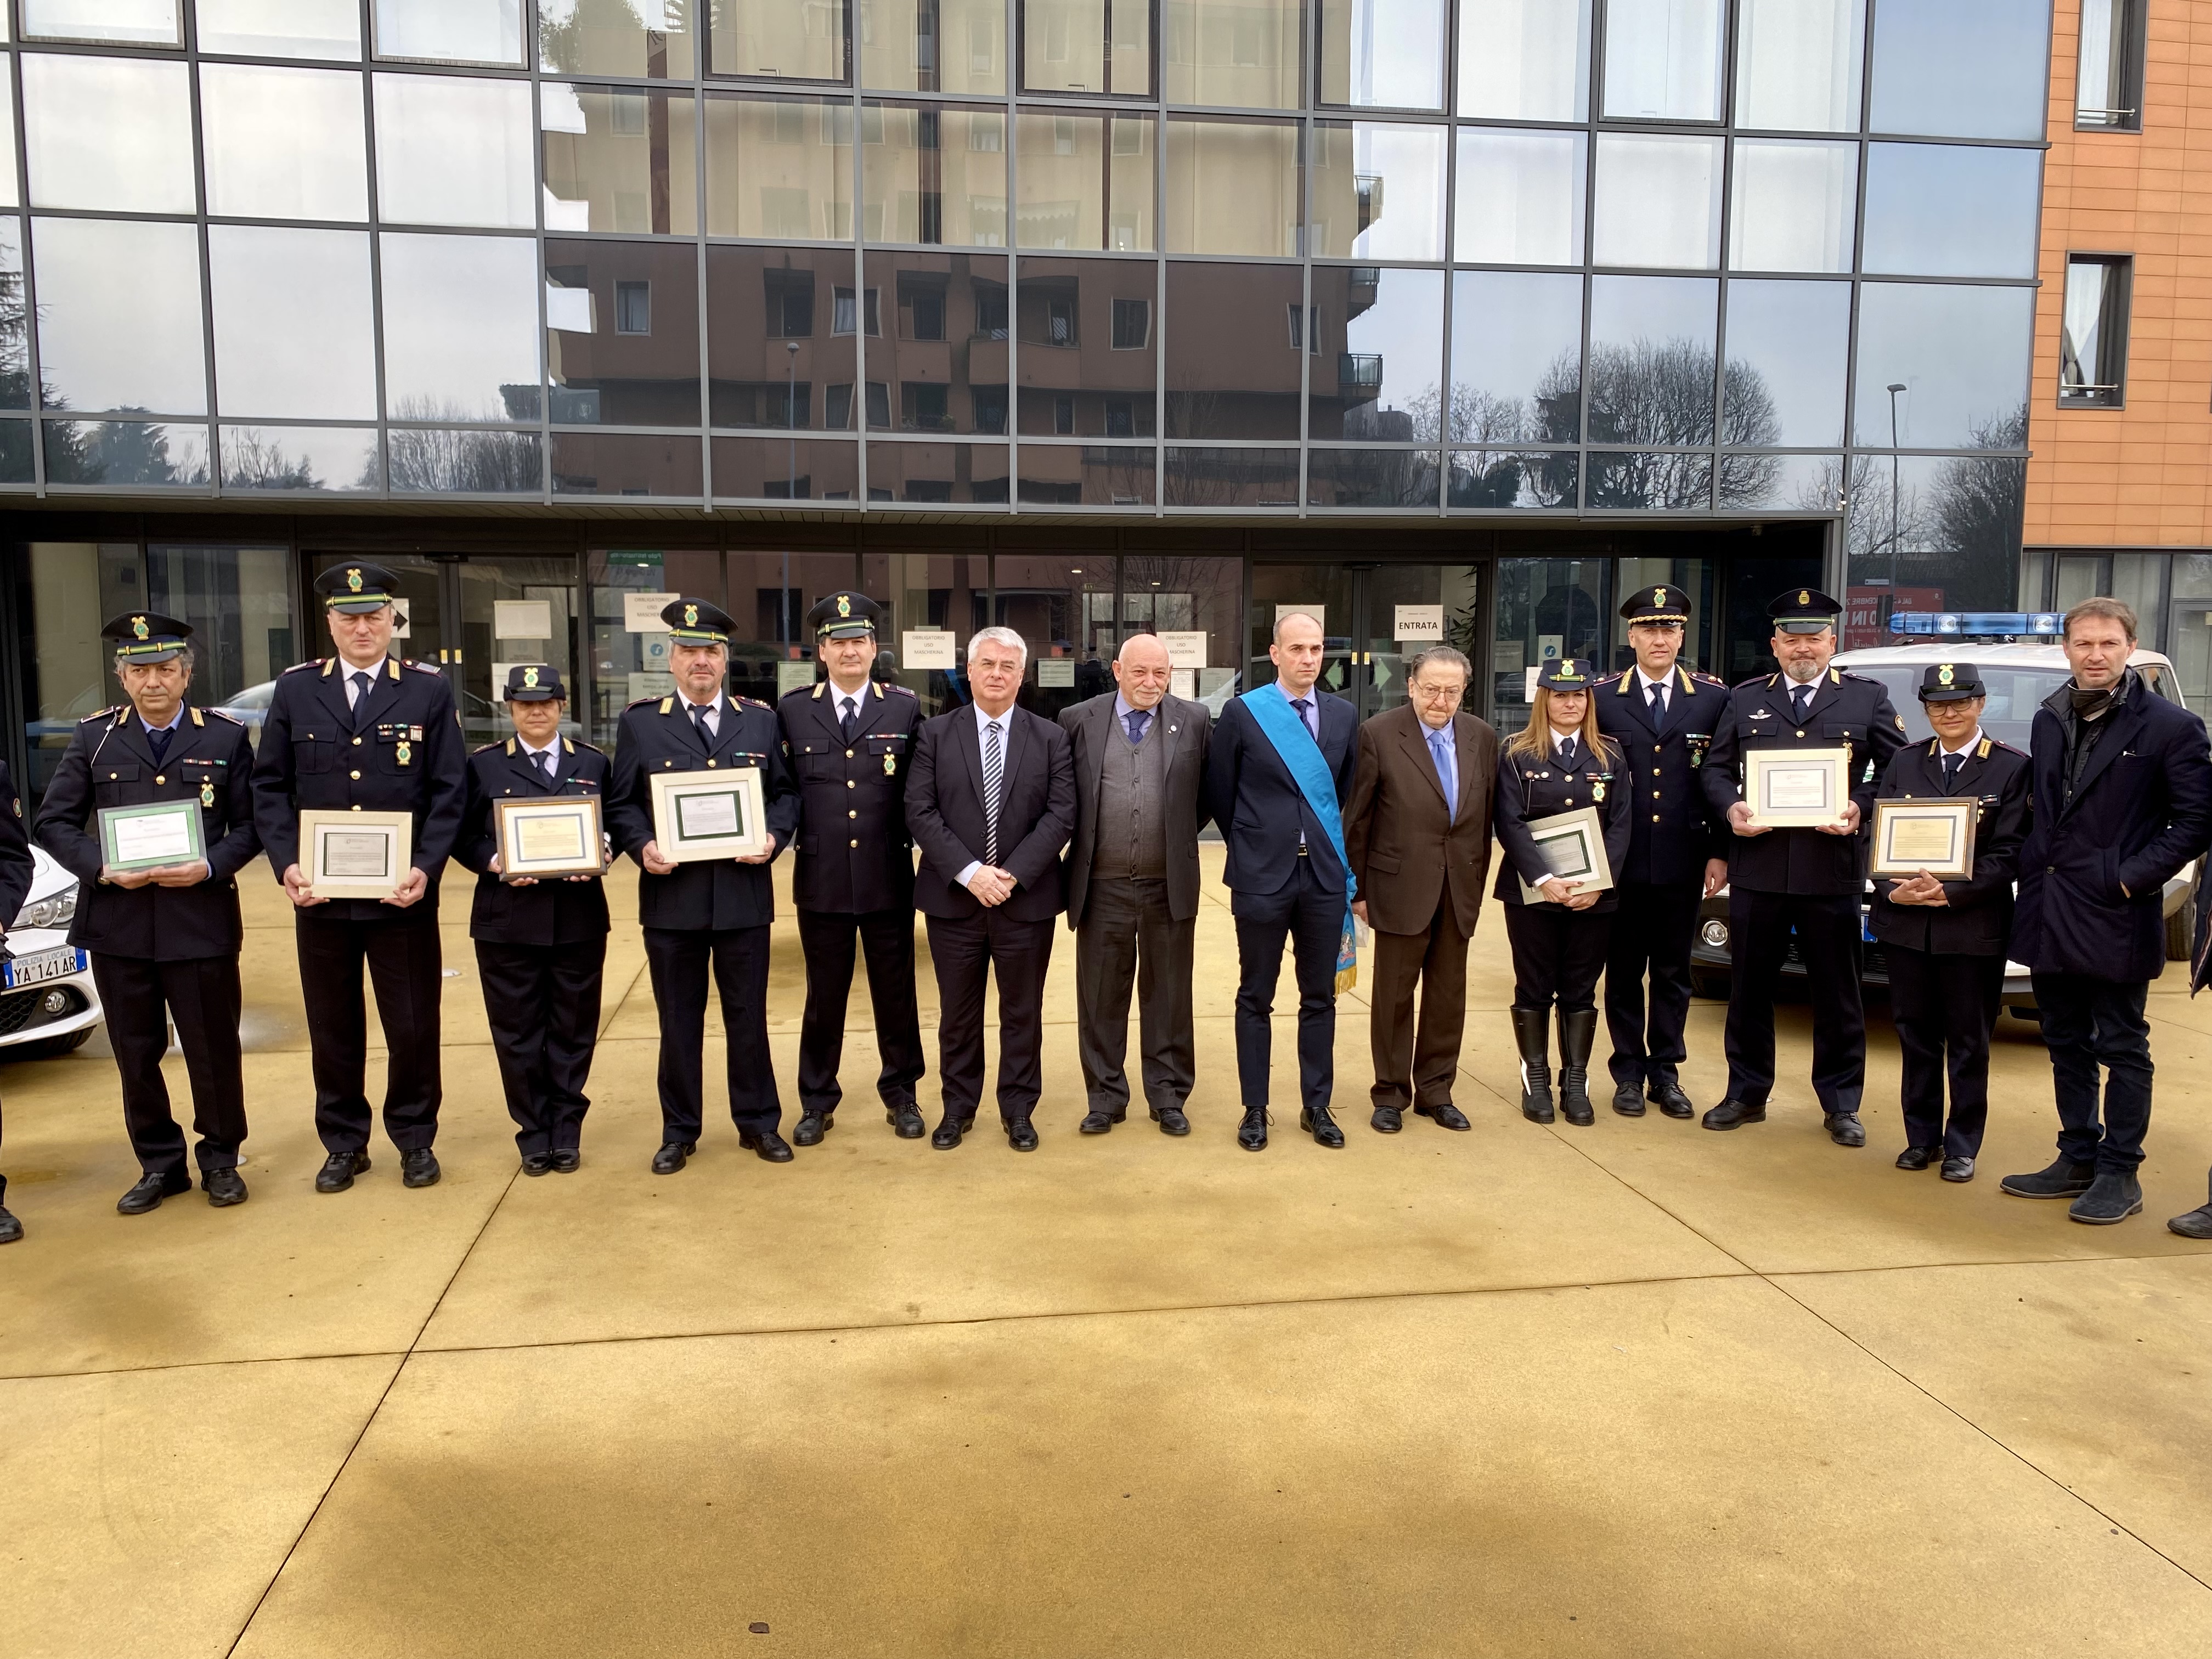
point(225, 715)
point(1766, 680)
point(1626, 675)
point(1709, 680)
point(577, 744)
point(756, 703)
point(639, 703)
point(483, 749)
point(101, 713)
point(420, 668)
point(815, 692)
point(1989, 743)
point(904, 691)
point(312, 662)
point(668, 705)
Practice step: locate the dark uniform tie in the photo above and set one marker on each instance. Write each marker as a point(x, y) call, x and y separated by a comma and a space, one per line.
point(360, 685)
point(849, 722)
point(543, 761)
point(1568, 752)
point(699, 712)
point(1952, 765)
point(1803, 695)
point(158, 742)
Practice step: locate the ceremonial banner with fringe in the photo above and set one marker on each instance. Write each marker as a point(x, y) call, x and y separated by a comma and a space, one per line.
point(1270, 708)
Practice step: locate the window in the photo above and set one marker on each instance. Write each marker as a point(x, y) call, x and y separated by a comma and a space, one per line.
point(1133, 325)
point(1059, 322)
point(879, 405)
point(990, 311)
point(1063, 415)
point(2093, 346)
point(1311, 338)
point(841, 319)
point(633, 307)
point(837, 408)
point(923, 407)
point(2108, 87)
point(990, 404)
point(790, 304)
point(924, 305)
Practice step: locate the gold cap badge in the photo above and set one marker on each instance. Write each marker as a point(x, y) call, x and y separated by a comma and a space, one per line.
point(1658, 596)
point(1943, 675)
point(353, 581)
point(529, 677)
point(139, 627)
point(691, 616)
point(844, 605)
point(1803, 597)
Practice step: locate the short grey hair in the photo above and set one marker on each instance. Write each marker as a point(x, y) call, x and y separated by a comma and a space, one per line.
point(1439, 656)
point(999, 636)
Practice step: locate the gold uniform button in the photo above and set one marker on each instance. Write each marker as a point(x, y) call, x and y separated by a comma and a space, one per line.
point(1654, 817)
point(856, 843)
point(356, 777)
point(854, 813)
point(1800, 734)
point(111, 776)
point(1655, 794)
point(849, 753)
point(158, 778)
point(849, 784)
point(710, 764)
point(1655, 772)
point(356, 743)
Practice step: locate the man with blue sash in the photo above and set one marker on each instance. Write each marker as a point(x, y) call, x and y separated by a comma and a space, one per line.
point(1279, 774)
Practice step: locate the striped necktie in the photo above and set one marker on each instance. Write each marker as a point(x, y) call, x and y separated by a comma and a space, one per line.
point(993, 766)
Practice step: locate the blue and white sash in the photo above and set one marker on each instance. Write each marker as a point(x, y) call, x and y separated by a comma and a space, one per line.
point(1271, 709)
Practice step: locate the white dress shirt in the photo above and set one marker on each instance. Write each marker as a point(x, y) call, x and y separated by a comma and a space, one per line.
point(983, 723)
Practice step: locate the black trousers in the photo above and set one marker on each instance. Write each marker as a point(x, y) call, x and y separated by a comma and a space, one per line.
point(2088, 1023)
point(1127, 938)
point(1558, 954)
point(1653, 929)
point(1945, 1007)
point(1827, 932)
point(1309, 912)
point(205, 997)
point(403, 962)
point(966, 951)
point(542, 1006)
point(679, 959)
point(886, 939)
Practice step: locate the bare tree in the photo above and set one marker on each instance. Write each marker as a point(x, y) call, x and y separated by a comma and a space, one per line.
point(447, 461)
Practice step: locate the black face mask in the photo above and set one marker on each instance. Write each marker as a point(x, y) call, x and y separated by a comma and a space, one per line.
point(2088, 704)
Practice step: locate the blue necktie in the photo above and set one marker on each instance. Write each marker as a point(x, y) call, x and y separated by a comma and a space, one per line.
point(159, 742)
point(1446, 773)
point(1952, 765)
point(1136, 720)
point(1305, 706)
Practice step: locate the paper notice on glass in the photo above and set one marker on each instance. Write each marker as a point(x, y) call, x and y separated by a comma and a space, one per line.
point(793, 677)
point(163, 838)
point(1055, 671)
point(641, 611)
point(357, 856)
point(1185, 650)
point(927, 647)
point(651, 684)
point(708, 815)
point(1184, 683)
point(1422, 624)
point(522, 619)
point(551, 840)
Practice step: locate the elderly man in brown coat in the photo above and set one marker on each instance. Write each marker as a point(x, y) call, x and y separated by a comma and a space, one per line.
point(1418, 833)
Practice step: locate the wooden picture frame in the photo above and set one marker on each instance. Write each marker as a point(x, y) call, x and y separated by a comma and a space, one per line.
point(355, 855)
point(1797, 788)
point(1573, 849)
point(1934, 834)
point(716, 814)
point(546, 838)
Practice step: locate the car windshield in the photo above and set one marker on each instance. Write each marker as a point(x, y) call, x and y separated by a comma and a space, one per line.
point(2015, 692)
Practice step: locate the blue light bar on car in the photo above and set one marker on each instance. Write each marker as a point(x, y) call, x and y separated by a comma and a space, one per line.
point(1961, 622)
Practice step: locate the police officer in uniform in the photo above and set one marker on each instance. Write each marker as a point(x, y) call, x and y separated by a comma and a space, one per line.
point(1559, 762)
point(364, 731)
point(1945, 939)
point(541, 943)
point(1809, 880)
point(17, 870)
point(848, 738)
point(1663, 717)
point(705, 911)
point(166, 937)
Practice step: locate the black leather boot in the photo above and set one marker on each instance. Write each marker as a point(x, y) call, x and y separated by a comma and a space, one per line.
point(1532, 1030)
point(1578, 1031)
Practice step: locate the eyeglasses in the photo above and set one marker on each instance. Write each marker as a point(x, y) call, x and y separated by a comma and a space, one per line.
point(1428, 693)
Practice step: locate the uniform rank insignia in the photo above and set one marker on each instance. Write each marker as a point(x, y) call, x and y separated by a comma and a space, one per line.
point(1597, 790)
point(844, 605)
point(403, 752)
point(890, 762)
point(353, 581)
point(139, 627)
point(207, 791)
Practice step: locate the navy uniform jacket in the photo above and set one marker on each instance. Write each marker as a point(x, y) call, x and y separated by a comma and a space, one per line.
point(1533, 785)
point(855, 855)
point(1036, 813)
point(709, 895)
point(17, 868)
point(1978, 920)
point(400, 752)
point(555, 911)
point(2141, 809)
point(109, 763)
point(1259, 805)
point(1847, 709)
point(1674, 828)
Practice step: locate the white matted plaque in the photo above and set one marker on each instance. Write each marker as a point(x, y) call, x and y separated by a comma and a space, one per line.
point(1937, 836)
point(1797, 788)
point(355, 855)
point(548, 838)
point(709, 815)
point(1572, 847)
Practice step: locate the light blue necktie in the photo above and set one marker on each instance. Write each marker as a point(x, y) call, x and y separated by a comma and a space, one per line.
point(1447, 771)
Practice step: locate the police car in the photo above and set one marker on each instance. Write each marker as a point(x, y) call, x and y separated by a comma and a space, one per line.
point(47, 1003)
point(2021, 666)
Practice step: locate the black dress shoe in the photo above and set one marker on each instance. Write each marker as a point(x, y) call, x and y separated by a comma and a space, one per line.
point(672, 1156)
point(1671, 1100)
point(1628, 1099)
point(813, 1126)
point(2061, 1179)
point(419, 1168)
point(567, 1160)
point(338, 1170)
point(151, 1190)
point(2197, 1224)
point(1317, 1122)
point(1252, 1133)
point(11, 1229)
point(224, 1187)
point(1387, 1119)
point(1445, 1115)
point(905, 1119)
point(537, 1164)
point(1171, 1120)
point(1021, 1134)
point(1845, 1128)
point(1918, 1157)
point(1958, 1169)
point(1101, 1123)
point(768, 1145)
point(949, 1131)
point(1731, 1113)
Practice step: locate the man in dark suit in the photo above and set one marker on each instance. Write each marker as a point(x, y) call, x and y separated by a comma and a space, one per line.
point(541, 945)
point(991, 802)
point(850, 740)
point(1418, 831)
point(1663, 717)
point(1799, 882)
point(364, 731)
point(17, 870)
point(699, 911)
point(1285, 875)
point(1133, 883)
point(2123, 800)
point(1945, 939)
point(164, 938)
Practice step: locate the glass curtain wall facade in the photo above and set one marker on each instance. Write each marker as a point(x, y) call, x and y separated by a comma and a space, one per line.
point(1259, 257)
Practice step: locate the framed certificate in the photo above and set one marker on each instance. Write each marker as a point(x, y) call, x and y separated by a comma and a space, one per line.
point(1573, 849)
point(355, 855)
point(549, 838)
point(1935, 836)
point(148, 837)
point(1797, 788)
point(709, 815)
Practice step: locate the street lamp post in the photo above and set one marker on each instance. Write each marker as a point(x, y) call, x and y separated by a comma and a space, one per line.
point(790, 481)
point(1895, 387)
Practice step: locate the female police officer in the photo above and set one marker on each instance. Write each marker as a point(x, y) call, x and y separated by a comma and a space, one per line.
point(1558, 763)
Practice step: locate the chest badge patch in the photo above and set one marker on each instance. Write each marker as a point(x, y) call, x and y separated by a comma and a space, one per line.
point(207, 792)
point(891, 766)
point(1597, 790)
point(403, 752)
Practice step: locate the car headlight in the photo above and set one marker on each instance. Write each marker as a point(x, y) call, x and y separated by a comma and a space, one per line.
point(53, 912)
point(1713, 933)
